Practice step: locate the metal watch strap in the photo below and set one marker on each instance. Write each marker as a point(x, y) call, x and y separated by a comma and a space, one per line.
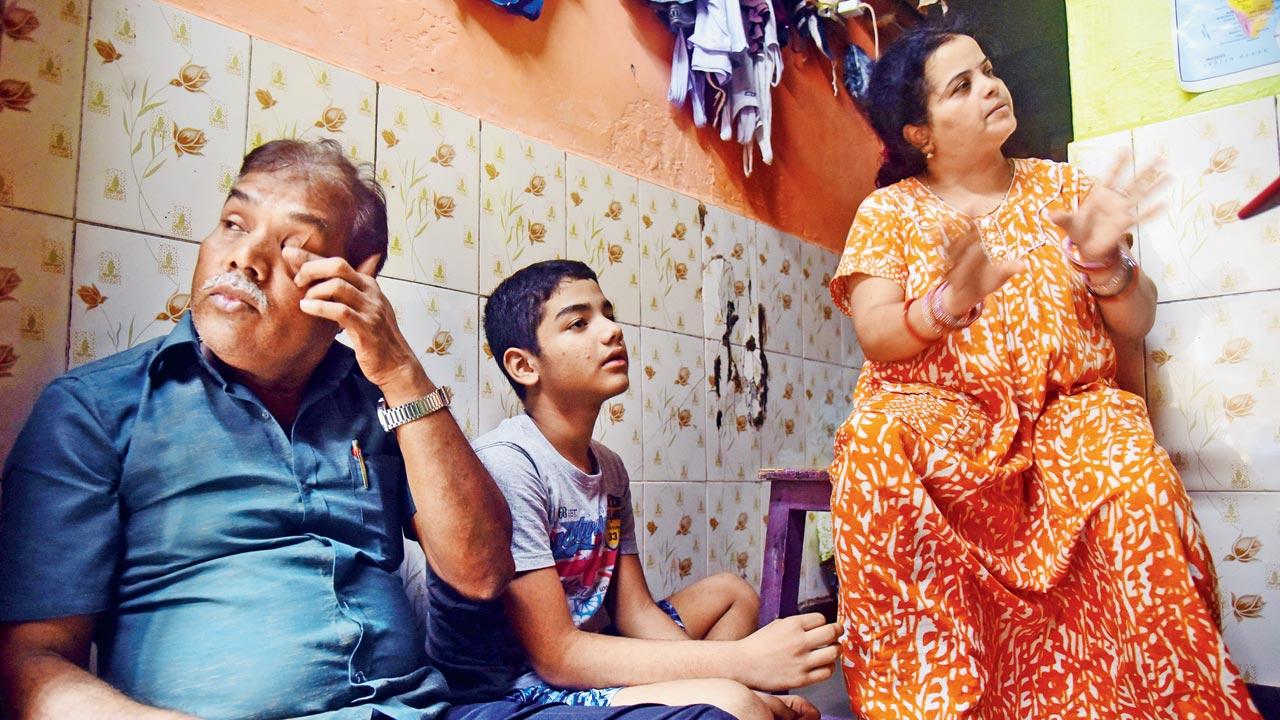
point(392, 418)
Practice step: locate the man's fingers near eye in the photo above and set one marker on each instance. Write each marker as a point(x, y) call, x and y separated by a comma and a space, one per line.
point(336, 290)
point(295, 257)
point(321, 268)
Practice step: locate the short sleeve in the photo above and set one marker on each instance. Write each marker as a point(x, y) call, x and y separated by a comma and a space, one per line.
point(627, 544)
point(875, 246)
point(60, 526)
point(527, 496)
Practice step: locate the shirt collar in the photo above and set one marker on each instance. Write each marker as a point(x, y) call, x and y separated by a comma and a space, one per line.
point(183, 342)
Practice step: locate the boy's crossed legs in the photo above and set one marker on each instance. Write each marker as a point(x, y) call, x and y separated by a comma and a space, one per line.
point(720, 607)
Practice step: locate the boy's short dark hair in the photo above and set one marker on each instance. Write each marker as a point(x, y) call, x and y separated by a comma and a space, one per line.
point(514, 310)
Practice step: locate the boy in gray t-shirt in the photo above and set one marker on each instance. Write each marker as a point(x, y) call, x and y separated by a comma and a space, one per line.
point(552, 333)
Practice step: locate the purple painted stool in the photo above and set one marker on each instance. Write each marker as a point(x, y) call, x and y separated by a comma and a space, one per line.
point(794, 493)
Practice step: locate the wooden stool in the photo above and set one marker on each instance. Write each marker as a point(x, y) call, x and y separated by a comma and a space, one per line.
point(793, 493)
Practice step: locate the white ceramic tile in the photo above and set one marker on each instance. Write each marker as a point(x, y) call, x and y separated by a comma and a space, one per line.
point(497, 400)
point(442, 327)
point(728, 245)
point(673, 389)
point(164, 119)
point(1214, 391)
point(620, 425)
point(1097, 156)
point(826, 329)
point(828, 389)
point(670, 260)
point(603, 213)
point(127, 288)
point(299, 97)
point(735, 538)
point(783, 435)
point(1219, 160)
point(429, 166)
point(1243, 532)
point(735, 393)
point(35, 284)
point(776, 272)
point(522, 204)
point(675, 544)
point(42, 73)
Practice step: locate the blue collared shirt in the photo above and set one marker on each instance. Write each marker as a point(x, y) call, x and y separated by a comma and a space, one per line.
point(237, 569)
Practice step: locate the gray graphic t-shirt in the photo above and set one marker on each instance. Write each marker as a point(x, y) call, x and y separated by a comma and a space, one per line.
point(561, 516)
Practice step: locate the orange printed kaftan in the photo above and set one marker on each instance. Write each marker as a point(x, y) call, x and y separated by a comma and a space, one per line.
point(1011, 542)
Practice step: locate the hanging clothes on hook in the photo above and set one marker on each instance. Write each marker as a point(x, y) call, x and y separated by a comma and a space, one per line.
point(725, 63)
point(530, 9)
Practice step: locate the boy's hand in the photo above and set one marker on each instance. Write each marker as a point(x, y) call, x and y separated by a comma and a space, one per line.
point(789, 652)
point(790, 707)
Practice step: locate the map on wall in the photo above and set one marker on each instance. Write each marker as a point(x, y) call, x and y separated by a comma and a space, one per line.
point(1225, 42)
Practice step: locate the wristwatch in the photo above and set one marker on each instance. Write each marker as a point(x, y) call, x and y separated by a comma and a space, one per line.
point(392, 418)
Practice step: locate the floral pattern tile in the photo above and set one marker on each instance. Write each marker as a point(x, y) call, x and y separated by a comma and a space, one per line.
point(783, 434)
point(41, 79)
point(673, 389)
point(670, 260)
point(429, 166)
point(164, 119)
point(497, 400)
point(728, 242)
point(828, 334)
point(35, 284)
point(777, 270)
point(735, 535)
point(675, 530)
point(126, 288)
point(620, 425)
point(442, 327)
point(522, 203)
point(1213, 390)
point(1243, 531)
point(300, 97)
point(1219, 160)
point(735, 392)
point(827, 393)
point(603, 214)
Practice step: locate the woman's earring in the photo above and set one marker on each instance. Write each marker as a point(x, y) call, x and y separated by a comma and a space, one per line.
point(928, 152)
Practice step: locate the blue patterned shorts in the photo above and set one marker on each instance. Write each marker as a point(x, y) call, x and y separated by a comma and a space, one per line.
point(543, 694)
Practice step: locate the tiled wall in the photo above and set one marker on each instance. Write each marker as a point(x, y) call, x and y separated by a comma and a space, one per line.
point(122, 128)
point(1212, 382)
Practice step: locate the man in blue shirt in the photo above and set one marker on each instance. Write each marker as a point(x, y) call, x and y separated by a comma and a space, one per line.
point(221, 509)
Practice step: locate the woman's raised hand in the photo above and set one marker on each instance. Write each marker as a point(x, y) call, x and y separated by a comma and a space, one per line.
point(972, 275)
point(1099, 225)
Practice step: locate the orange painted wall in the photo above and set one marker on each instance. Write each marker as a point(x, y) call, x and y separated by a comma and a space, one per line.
point(590, 77)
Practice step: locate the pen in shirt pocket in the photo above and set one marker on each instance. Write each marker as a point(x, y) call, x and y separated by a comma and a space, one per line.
point(359, 456)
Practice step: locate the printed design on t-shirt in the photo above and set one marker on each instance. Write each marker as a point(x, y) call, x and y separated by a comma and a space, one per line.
point(585, 550)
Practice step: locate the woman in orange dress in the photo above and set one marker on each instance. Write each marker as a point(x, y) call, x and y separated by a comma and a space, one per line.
point(1011, 542)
